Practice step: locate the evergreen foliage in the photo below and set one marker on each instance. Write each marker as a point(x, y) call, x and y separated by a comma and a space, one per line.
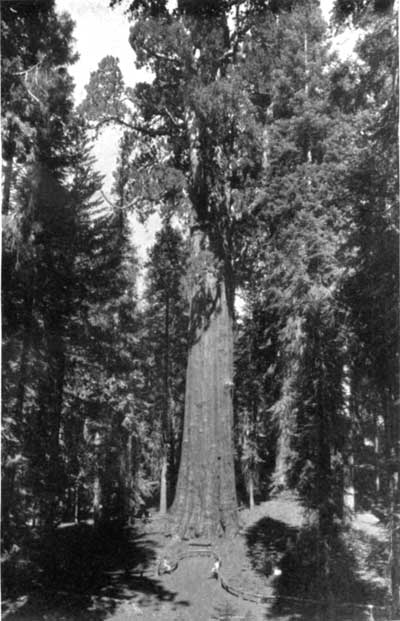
point(279, 161)
point(165, 343)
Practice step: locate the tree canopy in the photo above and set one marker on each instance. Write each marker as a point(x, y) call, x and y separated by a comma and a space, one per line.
point(273, 166)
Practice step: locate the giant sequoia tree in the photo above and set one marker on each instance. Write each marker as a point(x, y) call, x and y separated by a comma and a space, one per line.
point(203, 148)
point(200, 149)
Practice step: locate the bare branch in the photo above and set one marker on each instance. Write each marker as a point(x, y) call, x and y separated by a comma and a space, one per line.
point(176, 122)
point(113, 205)
point(33, 96)
point(163, 57)
point(26, 71)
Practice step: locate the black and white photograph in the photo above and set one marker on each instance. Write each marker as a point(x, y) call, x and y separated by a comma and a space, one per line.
point(200, 310)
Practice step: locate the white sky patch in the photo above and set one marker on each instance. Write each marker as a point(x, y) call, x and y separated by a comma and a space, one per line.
point(100, 31)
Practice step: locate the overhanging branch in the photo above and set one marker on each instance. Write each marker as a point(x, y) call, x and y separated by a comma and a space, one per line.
point(113, 205)
point(142, 129)
point(159, 56)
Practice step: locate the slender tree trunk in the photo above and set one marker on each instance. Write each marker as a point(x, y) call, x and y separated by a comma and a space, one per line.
point(376, 456)
point(53, 413)
point(395, 506)
point(76, 502)
point(349, 495)
point(205, 501)
point(8, 502)
point(325, 493)
point(285, 418)
point(166, 414)
point(251, 490)
point(96, 505)
point(349, 498)
point(126, 481)
point(8, 173)
point(163, 484)
point(23, 373)
point(395, 553)
point(10, 470)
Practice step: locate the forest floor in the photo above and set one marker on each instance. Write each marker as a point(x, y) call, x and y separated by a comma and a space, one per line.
point(101, 575)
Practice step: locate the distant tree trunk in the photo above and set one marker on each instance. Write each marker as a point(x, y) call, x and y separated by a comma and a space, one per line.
point(326, 535)
point(395, 552)
point(163, 484)
point(8, 173)
point(10, 470)
point(376, 456)
point(280, 476)
point(126, 471)
point(324, 489)
point(23, 368)
point(53, 398)
point(205, 502)
point(395, 504)
point(96, 505)
point(251, 490)
point(166, 413)
point(97, 487)
point(285, 418)
point(76, 502)
point(349, 495)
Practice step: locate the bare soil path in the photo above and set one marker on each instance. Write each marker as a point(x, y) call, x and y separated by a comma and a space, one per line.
point(112, 575)
point(200, 599)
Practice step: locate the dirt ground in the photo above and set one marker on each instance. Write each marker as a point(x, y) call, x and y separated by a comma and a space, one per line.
point(101, 576)
point(194, 596)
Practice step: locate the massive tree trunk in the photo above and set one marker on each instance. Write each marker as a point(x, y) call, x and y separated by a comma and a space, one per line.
point(205, 502)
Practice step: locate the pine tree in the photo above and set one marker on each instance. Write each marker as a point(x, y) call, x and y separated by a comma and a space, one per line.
point(370, 289)
point(66, 260)
point(36, 99)
point(166, 344)
point(255, 393)
point(34, 42)
point(297, 224)
point(297, 258)
point(103, 372)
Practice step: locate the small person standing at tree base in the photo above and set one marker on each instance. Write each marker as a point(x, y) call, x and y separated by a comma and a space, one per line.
point(215, 569)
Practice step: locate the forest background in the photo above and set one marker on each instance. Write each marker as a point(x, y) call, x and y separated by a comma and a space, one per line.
point(272, 165)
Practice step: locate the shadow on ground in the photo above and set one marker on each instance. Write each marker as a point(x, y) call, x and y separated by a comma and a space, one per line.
point(84, 573)
point(272, 543)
